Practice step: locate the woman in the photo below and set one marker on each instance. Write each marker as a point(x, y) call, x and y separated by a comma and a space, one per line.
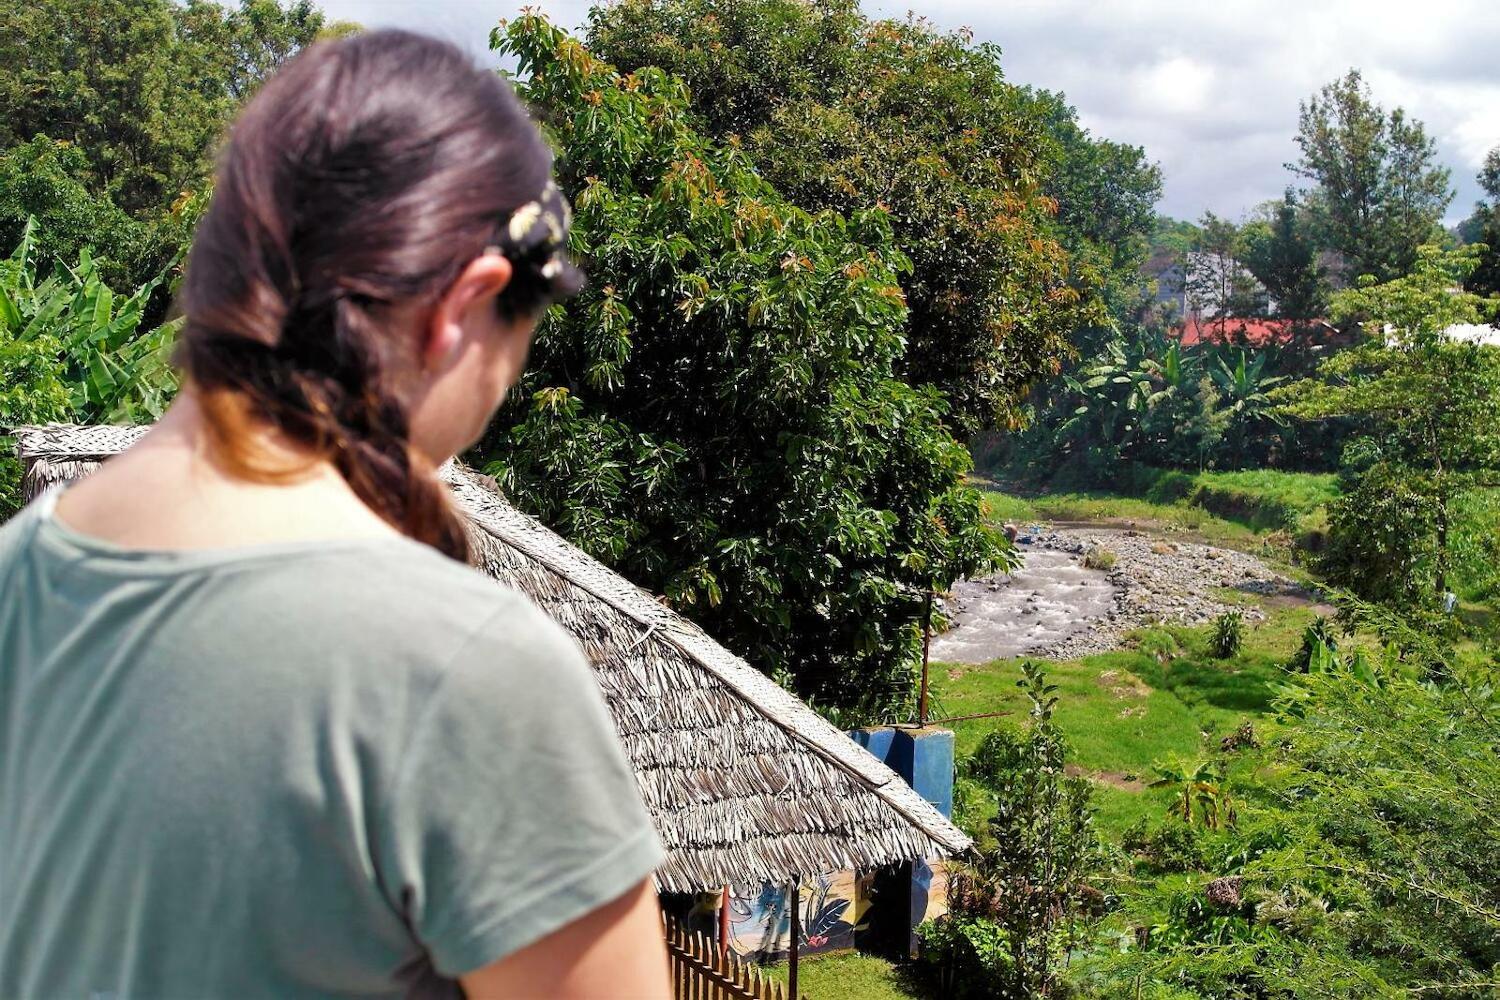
point(263, 733)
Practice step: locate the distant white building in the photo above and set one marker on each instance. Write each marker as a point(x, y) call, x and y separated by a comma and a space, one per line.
point(1472, 333)
point(1204, 286)
point(1476, 333)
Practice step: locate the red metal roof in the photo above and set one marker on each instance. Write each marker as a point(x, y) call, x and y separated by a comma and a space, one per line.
point(1249, 330)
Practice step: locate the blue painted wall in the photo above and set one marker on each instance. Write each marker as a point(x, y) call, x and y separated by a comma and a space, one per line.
point(924, 757)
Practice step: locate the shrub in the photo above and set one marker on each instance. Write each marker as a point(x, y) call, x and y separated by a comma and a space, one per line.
point(1173, 847)
point(1159, 644)
point(1316, 637)
point(1382, 539)
point(1100, 559)
point(1228, 635)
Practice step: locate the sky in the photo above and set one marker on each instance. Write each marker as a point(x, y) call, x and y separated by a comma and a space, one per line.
point(1210, 88)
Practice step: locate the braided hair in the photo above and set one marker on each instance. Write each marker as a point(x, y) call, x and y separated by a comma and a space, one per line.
point(365, 175)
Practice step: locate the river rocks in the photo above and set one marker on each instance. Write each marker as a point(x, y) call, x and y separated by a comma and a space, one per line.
point(1049, 599)
point(1057, 608)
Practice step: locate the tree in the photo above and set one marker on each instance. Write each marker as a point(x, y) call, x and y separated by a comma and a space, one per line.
point(1377, 191)
point(1106, 194)
point(46, 180)
point(1281, 254)
point(1483, 226)
point(843, 113)
point(1431, 408)
point(718, 416)
point(112, 109)
point(1219, 286)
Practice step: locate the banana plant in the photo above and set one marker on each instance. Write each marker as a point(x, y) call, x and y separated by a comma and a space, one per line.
point(1200, 791)
point(86, 337)
point(1245, 387)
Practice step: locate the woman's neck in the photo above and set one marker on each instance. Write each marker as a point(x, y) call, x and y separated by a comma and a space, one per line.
point(168, 491)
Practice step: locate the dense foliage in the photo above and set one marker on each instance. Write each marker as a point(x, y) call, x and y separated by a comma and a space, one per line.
point(1017, 223)
point(74, 352)
point(1429, 411)
point(1363, 860)
point(718, 415)
point(1280, 251)
point(1148, 400)
point(112, 109)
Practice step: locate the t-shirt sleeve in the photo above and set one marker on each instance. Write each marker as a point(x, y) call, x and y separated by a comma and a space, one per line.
point(514, 810)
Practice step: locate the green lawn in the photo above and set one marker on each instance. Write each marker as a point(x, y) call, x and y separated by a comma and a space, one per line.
point(1245, 510)
point(1164, 697)
point(849, 977)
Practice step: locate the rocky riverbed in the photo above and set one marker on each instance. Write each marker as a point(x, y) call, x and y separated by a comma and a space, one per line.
point(1056, 607)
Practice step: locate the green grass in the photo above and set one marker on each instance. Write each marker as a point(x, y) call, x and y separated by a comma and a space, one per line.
point(1165, 697)
point(1265, 498)
point(849, 977)
point(1239, 509)
point(1111, 508)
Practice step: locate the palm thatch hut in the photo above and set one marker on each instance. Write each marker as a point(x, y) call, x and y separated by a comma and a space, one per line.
point(743, 780)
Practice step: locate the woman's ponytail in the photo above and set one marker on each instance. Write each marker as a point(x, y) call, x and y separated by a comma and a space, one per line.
point(366, 174)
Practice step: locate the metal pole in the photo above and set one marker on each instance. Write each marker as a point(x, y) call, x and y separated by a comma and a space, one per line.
point(796, 904)
point(926, 647)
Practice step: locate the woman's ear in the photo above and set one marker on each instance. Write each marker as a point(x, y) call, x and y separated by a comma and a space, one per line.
point(473, 290)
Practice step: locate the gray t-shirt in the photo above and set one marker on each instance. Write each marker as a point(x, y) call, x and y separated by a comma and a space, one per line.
point(328, 769)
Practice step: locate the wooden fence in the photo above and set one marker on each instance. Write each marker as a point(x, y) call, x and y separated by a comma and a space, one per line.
point(701, 972)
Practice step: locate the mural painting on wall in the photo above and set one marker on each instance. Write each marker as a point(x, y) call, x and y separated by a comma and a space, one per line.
point(839, 912)
point(760, 922)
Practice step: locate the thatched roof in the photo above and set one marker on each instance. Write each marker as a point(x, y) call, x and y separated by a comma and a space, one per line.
point(744, 781)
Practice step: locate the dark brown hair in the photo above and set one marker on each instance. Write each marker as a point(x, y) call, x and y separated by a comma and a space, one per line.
point(367, 173)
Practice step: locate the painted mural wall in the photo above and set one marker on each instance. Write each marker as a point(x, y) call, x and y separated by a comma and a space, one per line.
point(874, 911)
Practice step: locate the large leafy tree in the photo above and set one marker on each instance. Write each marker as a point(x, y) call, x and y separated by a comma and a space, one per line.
point(718, 415)
point(143, 87)
point(112, 109)
point(841, 112)
point(1106, 194)
point(1377, 190)
point(1431, 407)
